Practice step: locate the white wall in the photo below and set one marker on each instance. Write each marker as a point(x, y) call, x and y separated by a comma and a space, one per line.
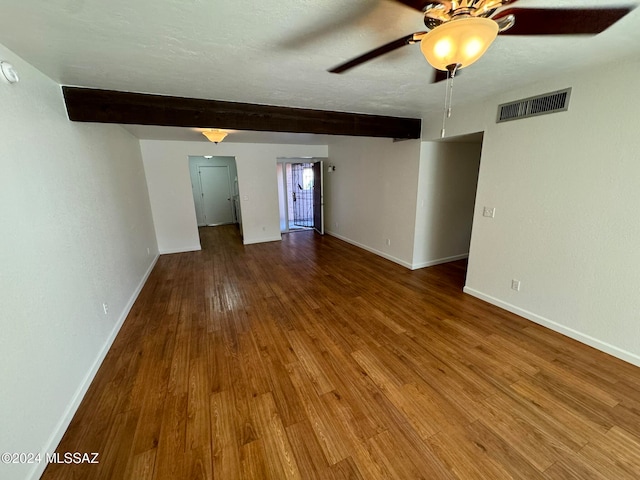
point(76, 225)
point(371, 197)
point(169, 184)
point(446, 194)
point(565, 189)
point(166, 165)
point(465, 119)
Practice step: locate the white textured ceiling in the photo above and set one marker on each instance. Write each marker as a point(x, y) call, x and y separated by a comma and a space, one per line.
point(277, 52)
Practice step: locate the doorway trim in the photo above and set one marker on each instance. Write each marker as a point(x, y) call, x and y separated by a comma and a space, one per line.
point(283, 193)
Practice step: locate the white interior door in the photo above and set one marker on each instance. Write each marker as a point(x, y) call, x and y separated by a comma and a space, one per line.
point(215, 185)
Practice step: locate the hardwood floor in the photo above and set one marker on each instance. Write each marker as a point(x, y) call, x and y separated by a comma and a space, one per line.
point(312, 359)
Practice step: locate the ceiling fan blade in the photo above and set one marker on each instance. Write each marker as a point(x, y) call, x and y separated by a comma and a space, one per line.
point(562, 21)
point(389, 47)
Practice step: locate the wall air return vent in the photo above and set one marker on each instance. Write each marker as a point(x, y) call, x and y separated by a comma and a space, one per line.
point(532, 106)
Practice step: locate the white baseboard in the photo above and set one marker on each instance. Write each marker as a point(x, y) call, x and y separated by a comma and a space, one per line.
point(558, 327)
point(251, 241)
point(181, 250)
point(64, 422)
point(438, 261)
point(372, 250)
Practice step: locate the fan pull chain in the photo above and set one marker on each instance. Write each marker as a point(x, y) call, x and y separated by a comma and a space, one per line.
point(450, 94)
point(446, 102)
point(448, 97)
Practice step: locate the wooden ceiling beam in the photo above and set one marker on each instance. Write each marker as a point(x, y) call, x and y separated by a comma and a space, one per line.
point(109, 106)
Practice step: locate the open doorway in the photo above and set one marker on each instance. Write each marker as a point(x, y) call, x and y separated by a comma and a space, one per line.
point(300, 193)
point(447, 185)
point(214, 183)
point(300, 198)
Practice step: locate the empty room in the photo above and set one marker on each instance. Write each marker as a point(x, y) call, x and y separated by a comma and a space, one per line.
point(376, 239)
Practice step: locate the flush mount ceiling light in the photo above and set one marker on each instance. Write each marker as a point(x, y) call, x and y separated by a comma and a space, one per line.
point(459, 42)
point(214, 135)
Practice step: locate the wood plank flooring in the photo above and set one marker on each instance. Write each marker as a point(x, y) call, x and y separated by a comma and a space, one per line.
point(312, 359)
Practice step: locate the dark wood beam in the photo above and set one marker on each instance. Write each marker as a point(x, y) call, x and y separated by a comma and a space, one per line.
point(108, 106)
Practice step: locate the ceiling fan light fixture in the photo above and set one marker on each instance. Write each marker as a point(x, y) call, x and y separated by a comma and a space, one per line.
point(215, 136)
point(458, 42)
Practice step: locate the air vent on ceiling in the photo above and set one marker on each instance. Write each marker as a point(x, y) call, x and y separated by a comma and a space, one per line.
point(538, 105)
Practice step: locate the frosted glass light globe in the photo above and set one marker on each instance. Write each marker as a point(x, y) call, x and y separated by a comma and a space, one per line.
point(458, 42)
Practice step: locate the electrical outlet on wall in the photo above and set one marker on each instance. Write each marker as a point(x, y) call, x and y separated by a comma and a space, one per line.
point(489, 212)
point(105, 308)
point(388, 242)
point(515, 285)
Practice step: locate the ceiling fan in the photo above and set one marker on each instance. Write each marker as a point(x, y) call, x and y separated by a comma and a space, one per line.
point(460, 31)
